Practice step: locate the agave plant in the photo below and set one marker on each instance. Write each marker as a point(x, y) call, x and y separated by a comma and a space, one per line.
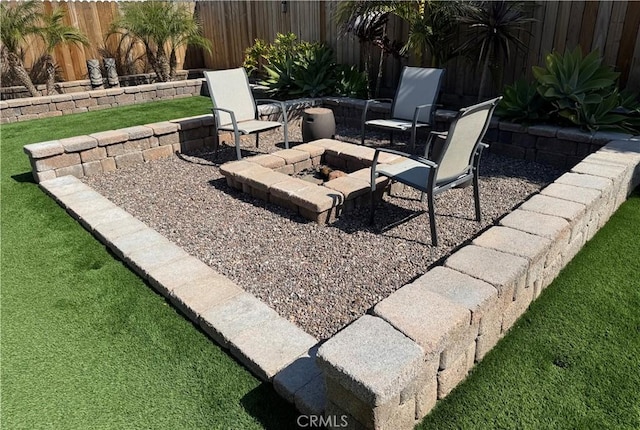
point(604, 115)
point(521, 102)
point(571, 81)
point(351, 82)
point(314, 74)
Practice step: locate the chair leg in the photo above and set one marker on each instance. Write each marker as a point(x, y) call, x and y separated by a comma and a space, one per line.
point(362, 133)
point(391, 138)
point(373, 208)
point(257, 139)
point(237, 137)
point(432, 219)
point(476, 197)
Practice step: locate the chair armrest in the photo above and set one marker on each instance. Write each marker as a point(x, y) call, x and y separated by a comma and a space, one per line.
point(433, 166)
point(372, 102)
point(280, 103)
point(417, 110)
point(418, 158)
point(231, 114)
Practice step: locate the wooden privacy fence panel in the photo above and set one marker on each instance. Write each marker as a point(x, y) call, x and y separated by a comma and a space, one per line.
point(232, 26)
point(94, 19)
point(610, 27)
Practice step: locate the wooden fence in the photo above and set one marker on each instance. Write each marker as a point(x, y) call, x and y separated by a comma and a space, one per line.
point(612, 27)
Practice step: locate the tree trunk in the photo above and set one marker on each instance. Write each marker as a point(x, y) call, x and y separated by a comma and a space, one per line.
point(163, 64)
point(15, 63)
point(483, 78)
point(173, 65)
point(51, 75)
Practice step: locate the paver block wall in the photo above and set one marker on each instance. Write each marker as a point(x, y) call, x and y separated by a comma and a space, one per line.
point(23, 109)
point(425, 337)
point(110, 150)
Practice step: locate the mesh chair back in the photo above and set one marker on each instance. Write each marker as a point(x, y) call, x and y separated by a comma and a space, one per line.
point(465, 134)
point(229, 89)
point(418, 86)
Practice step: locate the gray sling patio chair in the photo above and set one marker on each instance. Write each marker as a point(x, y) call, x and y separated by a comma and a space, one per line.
point(454, 163)
point(413, 106)
point(235, 109)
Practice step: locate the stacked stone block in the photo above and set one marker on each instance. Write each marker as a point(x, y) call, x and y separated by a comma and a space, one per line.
point(115, 149)
point(267, 177)
point(23, 109)
point(453, 315)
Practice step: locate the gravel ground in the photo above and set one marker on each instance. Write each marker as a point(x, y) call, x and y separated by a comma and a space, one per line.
point(319, 277)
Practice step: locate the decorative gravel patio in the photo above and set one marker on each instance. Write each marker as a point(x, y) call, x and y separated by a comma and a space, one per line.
point(319, 277)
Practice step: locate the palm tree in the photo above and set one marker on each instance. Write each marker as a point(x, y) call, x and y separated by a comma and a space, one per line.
point(493, 26)
point(160, 26)
point(55, 32)
point(432, 25)
point(370, 27)
point(19, 22)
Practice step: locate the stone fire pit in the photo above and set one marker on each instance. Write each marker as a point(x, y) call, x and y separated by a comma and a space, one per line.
point(270, 178)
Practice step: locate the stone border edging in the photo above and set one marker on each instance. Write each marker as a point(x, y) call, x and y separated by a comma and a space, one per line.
point(24, 109)
point(368, 371)
point(106, 151)
point(387, 370)
point(270, 346)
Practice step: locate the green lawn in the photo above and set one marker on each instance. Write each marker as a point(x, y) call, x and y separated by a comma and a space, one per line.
point(87, 344)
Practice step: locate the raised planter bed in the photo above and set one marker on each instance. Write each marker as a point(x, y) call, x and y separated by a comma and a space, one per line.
point(388, 368)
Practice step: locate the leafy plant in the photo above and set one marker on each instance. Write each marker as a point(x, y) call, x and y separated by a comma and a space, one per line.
point(493, 28)
point(55, 32)
point(521, 102)
point(576, 90)
point(292, 68)
point(570, 81)
point(351, 82)
point(254, 58)
point(314, 72)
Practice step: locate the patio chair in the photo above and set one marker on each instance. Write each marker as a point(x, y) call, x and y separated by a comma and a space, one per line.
point(413, 106)
point(455, 163)
point(235, 109)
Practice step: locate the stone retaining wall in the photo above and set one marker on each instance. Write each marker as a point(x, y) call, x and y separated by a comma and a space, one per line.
point(110, 150)
point(10, 93)
point(24, 109)
point(388, 369)
point(558, 146)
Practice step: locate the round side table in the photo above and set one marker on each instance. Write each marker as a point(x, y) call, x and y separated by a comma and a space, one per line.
point(318, 123)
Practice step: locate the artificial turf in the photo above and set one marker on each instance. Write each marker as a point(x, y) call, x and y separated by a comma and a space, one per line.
point(87, 344)
point(573, 360)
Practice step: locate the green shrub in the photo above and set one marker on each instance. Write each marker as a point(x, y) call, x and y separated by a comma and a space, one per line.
point(351, 82)
point(292, 68)
point(521, 102)
point(572, 89)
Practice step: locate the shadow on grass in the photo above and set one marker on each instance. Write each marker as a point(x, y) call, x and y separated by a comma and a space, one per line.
point(26, 177)
point(269, 409)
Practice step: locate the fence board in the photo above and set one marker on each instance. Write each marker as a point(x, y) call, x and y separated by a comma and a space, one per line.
point(614, 34)
point(630, 30)
point(588, 24)
point(575, 23)
point(232, 26)
point(602, 26)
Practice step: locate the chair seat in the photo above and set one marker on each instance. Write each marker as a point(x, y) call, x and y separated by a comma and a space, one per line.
point(397, 124)
point(408, 172)
point(252, 126)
